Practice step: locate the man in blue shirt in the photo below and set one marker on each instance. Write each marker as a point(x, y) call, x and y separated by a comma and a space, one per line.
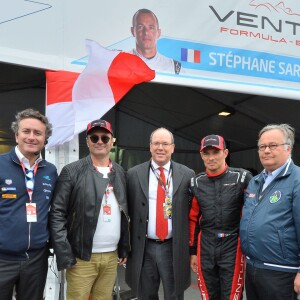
point(270, 225)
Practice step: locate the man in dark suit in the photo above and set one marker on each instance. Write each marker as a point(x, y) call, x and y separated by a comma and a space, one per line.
point(158, 201)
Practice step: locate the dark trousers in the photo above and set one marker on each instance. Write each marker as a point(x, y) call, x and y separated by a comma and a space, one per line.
point(221, 267)
point(28, 276)
point(264, 284)
point(157, 266)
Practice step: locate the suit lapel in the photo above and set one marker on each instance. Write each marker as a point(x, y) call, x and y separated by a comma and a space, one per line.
point(143, 176)
point(177, 177)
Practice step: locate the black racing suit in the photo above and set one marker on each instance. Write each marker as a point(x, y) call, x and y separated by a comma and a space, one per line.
point(214, 232)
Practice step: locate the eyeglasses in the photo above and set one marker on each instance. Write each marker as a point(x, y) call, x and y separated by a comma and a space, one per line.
point(164, 145)
point(272, 146)
point(95, 138)
point(29, 176)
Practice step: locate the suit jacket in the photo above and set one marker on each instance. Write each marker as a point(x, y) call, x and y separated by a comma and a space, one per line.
point(138, 205)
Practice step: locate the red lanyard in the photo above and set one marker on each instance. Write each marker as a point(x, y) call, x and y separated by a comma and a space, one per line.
point(109, 187)
point(29, 179)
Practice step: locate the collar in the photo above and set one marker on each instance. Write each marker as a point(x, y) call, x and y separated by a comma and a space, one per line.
point(166, 166)
point(277, 171)
point(25, 160)
point(216, 175)
point(135, 52)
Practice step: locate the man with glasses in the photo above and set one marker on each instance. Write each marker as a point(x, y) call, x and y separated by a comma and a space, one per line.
point(158, 203)
point(145, 29)
point(270, 225)
point(215, 214)
point(89, 220)
point(26, 186)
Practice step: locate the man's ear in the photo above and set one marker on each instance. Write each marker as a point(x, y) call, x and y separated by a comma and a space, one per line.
point(132, 31)
point(159, 33)
point(226, 151)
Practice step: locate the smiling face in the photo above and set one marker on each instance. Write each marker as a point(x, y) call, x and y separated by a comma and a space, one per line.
point(31, 137)
point(273, 159)
point(99, 150)
point(214, 159)
point(161, 146)
point(146, 32)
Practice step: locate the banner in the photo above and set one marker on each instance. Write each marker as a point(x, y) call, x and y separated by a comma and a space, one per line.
point(249, 46)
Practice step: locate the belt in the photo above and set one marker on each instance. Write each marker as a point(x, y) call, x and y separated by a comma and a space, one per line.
point(159, 241)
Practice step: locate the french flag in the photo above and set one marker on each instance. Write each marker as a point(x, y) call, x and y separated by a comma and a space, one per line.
point(190, 55)
point(73, 100)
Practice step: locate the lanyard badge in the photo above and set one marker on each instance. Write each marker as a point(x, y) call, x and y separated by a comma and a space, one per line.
point(31, 212)
point(31, 209)
point(107, 209)
point(107, 213)
point(168, 208)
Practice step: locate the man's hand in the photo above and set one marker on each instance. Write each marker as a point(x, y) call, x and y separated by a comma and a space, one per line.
point(194, 263)
point(297, 283)
point(122, 260)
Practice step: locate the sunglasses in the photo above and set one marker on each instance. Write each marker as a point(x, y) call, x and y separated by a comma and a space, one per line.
point(95, 138)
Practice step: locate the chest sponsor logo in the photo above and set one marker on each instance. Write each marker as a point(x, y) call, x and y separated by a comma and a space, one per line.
point(9, 196)
point(275, 197)
point(229, 184)
point(251, 195)
point(8, 181)
point(4, 189)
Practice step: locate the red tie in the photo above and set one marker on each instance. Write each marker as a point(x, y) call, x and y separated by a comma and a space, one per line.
point(161, 222)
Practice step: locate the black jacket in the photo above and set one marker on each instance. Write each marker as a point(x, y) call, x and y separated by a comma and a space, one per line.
point(75, 210)
point(217, 204)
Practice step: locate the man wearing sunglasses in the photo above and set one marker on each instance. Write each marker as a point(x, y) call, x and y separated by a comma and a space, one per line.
point(270, 225)
point(89, 220)
point(26, 186)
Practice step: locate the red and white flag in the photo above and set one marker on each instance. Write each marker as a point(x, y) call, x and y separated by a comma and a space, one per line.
point(59, 106)
point(108, 76)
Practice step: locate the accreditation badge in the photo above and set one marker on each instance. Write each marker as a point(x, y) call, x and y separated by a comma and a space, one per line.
point(107, 213)
point(168, 208)
point(31, 213)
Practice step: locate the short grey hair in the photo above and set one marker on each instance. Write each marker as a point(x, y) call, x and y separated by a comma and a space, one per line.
point(171, 134)
point(144, 11)
point(287, 130)
point(30, 113)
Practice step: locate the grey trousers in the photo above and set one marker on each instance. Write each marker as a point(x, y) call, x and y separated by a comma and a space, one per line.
point(158, 267)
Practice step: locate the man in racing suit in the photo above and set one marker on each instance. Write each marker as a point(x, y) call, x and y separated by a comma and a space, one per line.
point(214, 223)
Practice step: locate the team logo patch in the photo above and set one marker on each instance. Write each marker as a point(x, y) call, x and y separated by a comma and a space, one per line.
point(8, 181)
point(4, 189)
point(275, 197)
point(9, 196)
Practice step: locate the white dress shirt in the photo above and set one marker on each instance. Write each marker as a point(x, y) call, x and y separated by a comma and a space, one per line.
point(153, 182)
